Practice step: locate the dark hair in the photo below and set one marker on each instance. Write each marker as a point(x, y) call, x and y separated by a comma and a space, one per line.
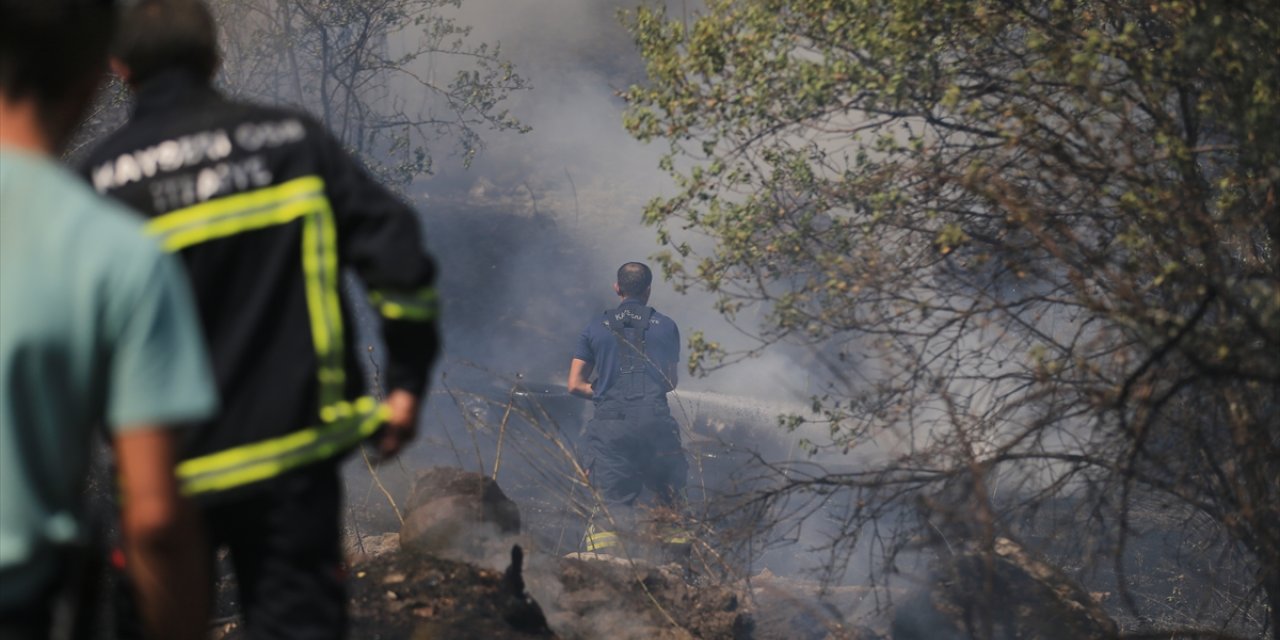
point(156, 35)
point(634, 278)
point(53, 51)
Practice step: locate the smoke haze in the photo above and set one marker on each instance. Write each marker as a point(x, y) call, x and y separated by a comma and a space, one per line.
point(563, 203)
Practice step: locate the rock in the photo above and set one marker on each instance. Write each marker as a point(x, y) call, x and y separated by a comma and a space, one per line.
point(1009, 592)
point(808, 610)
point(633, 600)
point(360, 548)
point(455, 512)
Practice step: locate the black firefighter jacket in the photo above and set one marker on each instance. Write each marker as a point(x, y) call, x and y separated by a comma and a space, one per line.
point(267, 210)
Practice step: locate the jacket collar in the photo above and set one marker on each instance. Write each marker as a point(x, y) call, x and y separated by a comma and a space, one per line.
point(172, 88)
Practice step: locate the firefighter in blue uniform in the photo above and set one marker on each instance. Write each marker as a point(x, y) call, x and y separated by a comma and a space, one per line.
point(632, 442)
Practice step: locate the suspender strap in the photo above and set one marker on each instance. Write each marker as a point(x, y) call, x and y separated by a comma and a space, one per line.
point(629, 322)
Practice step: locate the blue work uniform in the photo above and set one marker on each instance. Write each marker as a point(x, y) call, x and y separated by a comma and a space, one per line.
point(632, 440)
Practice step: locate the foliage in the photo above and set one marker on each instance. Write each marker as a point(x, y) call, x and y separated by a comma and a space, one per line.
point(388, 77)
point(1037, 243)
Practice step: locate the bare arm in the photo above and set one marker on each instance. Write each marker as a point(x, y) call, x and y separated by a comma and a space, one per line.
point(579, 378)
point(164, 544)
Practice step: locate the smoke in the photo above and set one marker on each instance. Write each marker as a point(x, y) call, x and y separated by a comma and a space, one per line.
point(529, 236)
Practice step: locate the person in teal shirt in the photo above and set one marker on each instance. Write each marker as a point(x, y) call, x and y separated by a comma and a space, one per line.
point(97, 327)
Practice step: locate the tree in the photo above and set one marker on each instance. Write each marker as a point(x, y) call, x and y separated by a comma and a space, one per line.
point(1038, 243)
point(389, 78)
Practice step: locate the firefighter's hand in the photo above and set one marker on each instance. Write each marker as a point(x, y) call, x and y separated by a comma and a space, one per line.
point(402, 424)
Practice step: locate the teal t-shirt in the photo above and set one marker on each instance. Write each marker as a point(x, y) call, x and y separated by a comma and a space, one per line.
point(97, 327)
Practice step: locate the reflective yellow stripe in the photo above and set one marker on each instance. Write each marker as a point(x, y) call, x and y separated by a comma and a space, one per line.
point(270, 468)
point(343, 424)
point(240, 203)
point(315, 283)
point(597, 539)
point(601, 540)
point(235, 224)
point(273, 447)
point(320, 272)
point(261, 460)
point(332, 383)
point(675, 535)
point(419, 305)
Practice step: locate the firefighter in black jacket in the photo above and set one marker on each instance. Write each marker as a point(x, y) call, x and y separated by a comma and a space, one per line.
point(266, 210)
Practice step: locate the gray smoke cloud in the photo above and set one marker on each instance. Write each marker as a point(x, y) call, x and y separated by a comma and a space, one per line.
point(584, 181)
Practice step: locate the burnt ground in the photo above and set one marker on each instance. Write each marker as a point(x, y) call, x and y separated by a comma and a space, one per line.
point(406, 595)
point(402, 595)
point(396, 594)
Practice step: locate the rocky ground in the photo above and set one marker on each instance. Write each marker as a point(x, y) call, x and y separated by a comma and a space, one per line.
point(459, 568)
